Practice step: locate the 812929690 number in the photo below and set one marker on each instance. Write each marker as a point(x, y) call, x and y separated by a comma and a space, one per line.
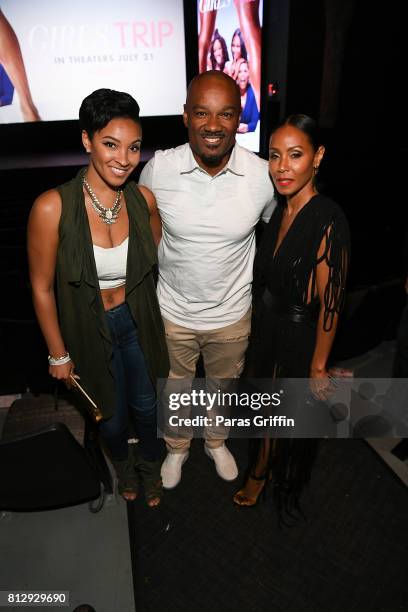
point(34, 598)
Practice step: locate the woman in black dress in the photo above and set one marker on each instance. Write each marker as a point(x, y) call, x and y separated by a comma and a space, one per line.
point(299, 279)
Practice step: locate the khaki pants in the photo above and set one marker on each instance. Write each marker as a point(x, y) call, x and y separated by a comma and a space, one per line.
point(223, 352)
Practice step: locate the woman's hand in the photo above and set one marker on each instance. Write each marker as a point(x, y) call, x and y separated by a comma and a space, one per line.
point(321, 384)
point(63, 372)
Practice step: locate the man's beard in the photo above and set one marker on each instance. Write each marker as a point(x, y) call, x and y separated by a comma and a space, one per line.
point(213, 159)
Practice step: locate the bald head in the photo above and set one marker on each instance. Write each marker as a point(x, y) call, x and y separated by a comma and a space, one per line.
point(213, 79)
point(211, 114)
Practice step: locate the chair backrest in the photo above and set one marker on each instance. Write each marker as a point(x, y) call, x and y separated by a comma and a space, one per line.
point(31, 413)
point(46, 469)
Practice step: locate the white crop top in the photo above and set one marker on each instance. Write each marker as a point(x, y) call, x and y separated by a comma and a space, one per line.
point(111, 265)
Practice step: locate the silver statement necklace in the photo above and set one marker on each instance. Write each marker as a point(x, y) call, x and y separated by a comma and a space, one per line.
point(108, 215)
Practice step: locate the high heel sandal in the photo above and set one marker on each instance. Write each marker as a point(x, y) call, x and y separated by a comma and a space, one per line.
point(242, 499)
point(153, 486)
point(128, 481)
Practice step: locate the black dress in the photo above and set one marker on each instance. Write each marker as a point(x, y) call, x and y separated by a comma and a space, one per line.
point(285, 315)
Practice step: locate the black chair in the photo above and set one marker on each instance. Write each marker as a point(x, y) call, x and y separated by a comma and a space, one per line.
point(44, 470)
point(49, 458)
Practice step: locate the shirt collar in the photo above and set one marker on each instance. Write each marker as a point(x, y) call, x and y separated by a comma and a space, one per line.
point(233, 165)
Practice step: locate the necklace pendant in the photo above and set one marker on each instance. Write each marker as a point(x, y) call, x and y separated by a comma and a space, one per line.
point(107, 215)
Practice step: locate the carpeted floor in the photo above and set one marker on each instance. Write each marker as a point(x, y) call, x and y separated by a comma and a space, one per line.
point(199, 552)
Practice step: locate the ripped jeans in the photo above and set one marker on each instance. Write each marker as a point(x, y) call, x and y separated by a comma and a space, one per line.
point(134, 391)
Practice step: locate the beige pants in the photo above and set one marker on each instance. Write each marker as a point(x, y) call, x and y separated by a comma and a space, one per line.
point(223, 352)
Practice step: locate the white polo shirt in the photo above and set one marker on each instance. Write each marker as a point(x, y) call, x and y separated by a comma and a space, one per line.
point(208, 245)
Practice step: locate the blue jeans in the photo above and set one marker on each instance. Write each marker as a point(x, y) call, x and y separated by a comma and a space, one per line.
point(134, 391)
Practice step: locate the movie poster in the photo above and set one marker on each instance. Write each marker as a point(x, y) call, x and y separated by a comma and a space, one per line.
point(53, 54)
point(229, 39)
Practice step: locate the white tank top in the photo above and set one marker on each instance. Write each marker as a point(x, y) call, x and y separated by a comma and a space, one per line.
point(111, 265)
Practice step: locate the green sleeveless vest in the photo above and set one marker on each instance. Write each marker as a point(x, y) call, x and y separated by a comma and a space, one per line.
point(81, 313)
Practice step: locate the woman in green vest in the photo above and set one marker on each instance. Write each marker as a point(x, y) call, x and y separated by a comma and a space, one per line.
point(95, 239)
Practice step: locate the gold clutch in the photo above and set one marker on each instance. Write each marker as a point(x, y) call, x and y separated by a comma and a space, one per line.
point(92, 407)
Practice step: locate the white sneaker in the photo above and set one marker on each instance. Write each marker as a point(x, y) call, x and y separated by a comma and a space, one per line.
point(224, 462)
point(171, 469)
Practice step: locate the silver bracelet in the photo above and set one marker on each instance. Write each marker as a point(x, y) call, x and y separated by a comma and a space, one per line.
point(55, 361)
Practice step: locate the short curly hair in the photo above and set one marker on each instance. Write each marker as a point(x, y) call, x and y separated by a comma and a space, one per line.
point(103, 105)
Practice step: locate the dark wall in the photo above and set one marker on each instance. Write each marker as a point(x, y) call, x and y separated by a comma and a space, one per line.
point(275, 35)
point(343, 68)
point(346, 55)
point(305, 57)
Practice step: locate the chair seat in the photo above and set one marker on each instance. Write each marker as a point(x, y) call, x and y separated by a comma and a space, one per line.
point(43, 461)
point(46, 469)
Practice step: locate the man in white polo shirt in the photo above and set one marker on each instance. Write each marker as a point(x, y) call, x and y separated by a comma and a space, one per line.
point(210, 194)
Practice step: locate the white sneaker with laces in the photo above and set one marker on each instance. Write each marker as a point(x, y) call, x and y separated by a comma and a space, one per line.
point(224, 462)
point(171, 469)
